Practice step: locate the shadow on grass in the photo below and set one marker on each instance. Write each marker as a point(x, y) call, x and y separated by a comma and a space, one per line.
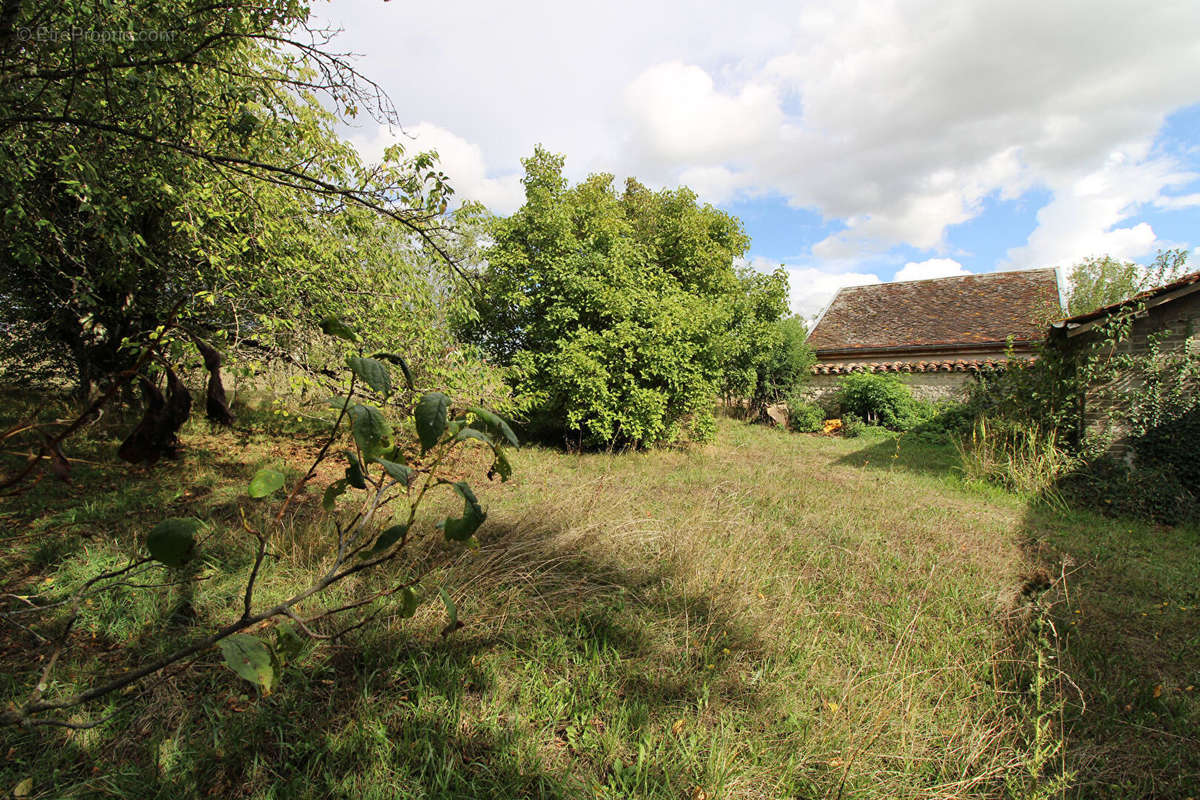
point(1128, 622)
point(396, 712)
point(934, 458)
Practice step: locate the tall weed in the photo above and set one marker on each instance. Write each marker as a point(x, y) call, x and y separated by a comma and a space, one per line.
point(1021, 456)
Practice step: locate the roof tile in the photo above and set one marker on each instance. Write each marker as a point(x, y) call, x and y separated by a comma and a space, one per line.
point(966, 309)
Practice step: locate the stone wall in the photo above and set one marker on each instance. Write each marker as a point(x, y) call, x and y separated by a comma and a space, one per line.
point(931, 386)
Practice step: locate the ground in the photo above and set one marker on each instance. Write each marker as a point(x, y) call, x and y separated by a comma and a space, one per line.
point(772, 615)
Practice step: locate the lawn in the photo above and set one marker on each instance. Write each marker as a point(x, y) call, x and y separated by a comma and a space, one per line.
point(773, 615)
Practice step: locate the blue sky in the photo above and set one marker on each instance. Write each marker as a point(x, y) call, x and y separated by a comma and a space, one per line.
point(868, 142)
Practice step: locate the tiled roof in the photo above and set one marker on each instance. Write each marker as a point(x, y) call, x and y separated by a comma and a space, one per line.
point(942, 312)
point(957, 365)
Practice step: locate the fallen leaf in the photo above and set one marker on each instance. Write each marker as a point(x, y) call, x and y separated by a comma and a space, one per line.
point(678, 726)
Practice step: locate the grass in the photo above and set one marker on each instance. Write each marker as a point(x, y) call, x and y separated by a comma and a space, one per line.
point(774, 615)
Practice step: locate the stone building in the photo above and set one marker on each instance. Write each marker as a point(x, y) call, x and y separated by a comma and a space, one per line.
point(939, 334)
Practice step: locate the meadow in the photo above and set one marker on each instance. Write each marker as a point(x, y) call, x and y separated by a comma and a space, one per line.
point(773, 615)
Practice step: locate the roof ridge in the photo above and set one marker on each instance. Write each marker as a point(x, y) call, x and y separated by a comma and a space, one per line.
point(951, 277)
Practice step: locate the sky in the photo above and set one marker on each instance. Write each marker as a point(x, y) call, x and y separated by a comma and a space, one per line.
point(858, 142)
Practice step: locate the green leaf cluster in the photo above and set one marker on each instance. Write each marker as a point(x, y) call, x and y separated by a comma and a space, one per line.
point(620, 316)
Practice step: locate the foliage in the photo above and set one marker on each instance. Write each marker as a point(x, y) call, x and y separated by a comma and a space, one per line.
point(1163, 413)
point(1100, 281)
point(852, 425)
point(878, 398)
point(804, 417)
point(1144, 491)
point(785, 362)
point(202, 179)
point(616, 314)
point(1021, 457)
point(378, 472)
point(941, 421)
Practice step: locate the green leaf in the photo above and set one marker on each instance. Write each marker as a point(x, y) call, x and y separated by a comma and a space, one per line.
point(452, 623)
point(335, 327)
point(332, 493)
point(338, 403)
point(354, 472)
point(500, 466)
point(399, 361)
point(460, 529)
point(373, 373)
point(400, 472)
point(288, 643)
point(470, 433)
point(173, 541)
point(266, 481)
point(250, 658)
point(495, 423)
point(430, 416)
point(409, 600)
point(386, 539)
point(371, 430)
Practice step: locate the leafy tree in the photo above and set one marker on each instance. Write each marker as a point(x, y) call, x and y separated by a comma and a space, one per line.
point(194, 173)
point(1100, 281)
point(786, 363)
point(755, 308)
point(612, 311)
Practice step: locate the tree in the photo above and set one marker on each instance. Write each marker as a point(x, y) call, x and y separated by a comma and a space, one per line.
point(785, 367)
point(612, 311)
point(1103, 280)
point(168, 158)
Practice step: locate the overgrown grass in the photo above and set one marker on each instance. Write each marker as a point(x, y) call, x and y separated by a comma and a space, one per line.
point(774, 615)
point(1022, 457)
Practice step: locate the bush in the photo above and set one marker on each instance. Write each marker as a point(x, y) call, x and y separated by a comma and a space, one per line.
point(878, 399)
point(804, 417)
point(942, 421)
point(852, 426)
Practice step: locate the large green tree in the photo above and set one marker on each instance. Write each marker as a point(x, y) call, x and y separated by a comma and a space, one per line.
point(613, 310)
point(179, 157)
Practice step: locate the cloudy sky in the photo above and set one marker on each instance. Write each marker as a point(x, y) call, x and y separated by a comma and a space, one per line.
point(875, 141)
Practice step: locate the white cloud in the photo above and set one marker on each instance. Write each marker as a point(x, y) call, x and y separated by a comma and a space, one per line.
point(898, 118)
point(906, 116)
point(461, 160)
point(679, 115)
point(1084, 218)
point(932, 268)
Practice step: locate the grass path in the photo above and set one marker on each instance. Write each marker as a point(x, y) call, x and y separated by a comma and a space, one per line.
point(770, 616)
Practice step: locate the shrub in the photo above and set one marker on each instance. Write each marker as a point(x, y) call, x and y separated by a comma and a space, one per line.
point(852, 425)
point(784, 368)
point(1021, 457)
point(878, 399)
point(944, 420)
point(804, 417)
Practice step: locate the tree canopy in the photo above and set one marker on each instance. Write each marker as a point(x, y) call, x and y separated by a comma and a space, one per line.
point(196, 173)
point(1103, 280)
point(621, 315)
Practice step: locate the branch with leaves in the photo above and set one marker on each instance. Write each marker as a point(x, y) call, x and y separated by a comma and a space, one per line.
point(375, 468)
